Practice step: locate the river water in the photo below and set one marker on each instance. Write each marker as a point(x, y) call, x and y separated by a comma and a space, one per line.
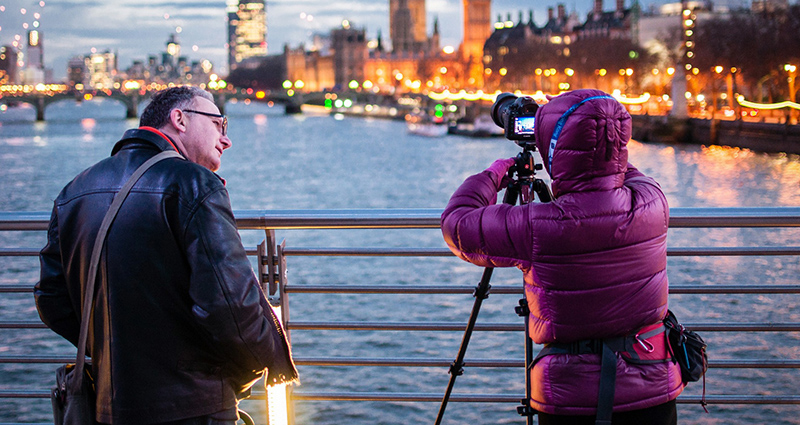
point(317, 161)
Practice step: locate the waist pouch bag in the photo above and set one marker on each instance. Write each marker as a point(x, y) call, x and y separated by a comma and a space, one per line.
point(687, 349)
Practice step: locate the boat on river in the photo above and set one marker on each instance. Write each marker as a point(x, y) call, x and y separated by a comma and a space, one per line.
point(426, 125)
point(481, 126)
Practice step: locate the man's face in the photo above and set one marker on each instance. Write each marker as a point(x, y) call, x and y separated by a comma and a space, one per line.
point(203, 139)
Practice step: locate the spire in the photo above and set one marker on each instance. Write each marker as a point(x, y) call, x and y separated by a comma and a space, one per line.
point(436, 25)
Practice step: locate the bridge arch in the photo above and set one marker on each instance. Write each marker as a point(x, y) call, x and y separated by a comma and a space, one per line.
point(41, 101)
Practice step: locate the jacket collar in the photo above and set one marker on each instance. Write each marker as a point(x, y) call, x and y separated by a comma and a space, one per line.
point(149, 135)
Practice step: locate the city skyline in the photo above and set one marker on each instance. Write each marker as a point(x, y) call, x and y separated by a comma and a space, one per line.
point(136, 29)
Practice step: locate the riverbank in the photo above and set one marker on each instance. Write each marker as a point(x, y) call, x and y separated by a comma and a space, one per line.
point(756, 136)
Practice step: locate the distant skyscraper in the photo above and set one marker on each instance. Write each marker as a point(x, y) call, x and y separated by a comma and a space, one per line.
point(170, 56)
point(247, 31)
point(35, 50)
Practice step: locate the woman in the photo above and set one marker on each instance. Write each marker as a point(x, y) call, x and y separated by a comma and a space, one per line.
point(594, 264)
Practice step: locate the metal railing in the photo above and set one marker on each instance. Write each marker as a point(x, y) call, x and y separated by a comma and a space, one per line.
point(272, 260)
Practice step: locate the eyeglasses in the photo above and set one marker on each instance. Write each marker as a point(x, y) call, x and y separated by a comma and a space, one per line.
point(223, 126)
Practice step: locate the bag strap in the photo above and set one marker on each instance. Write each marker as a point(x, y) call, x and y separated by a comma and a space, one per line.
point(88, 297)
point(608, 381)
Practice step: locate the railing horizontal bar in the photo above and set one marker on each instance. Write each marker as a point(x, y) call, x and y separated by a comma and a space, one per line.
point(732, 251)
point(25, 393)
point(397, 326)
point(16, 289)
point(449, 326)
point(368, 252)
point(397, 289)
point(428, 362)
point(755, 364)
point(339, 219)
point(499, 289)
point(435, 397)
point(734, 289)
point(512, 398)
point(735, 217)
point(38, 359)
point(430, 218)
point(491, 363)
point(444, 252)
point(513, 327)
point(507, 289)
point(19, 252)
point(403, 362)
point(26, 324)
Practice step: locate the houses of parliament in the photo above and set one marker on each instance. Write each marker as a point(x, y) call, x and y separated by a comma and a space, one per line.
point(414, 60)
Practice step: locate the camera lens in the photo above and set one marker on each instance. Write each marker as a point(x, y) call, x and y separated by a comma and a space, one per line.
point(501, 108)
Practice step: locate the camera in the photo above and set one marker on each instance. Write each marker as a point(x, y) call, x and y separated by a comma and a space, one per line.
point(516, 115)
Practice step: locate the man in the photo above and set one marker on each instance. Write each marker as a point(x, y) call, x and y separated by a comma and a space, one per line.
point(594, 262)
point(179, 324)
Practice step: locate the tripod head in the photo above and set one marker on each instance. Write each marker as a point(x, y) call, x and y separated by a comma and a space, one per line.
point(526, 183)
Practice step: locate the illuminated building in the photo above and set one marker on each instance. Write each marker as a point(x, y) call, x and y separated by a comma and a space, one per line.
point(35, 50)
point(477, 29)
point(616, 24)
point(173, 52)
point(77, 73)
point(102, 69)
point(350, 47)
point(501, 53)
point(247, 32)
point(33, 72)
point(407, 25)
point(8, 65)
point(769, 6)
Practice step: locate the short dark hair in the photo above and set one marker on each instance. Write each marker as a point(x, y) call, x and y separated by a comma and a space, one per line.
point(156, 113)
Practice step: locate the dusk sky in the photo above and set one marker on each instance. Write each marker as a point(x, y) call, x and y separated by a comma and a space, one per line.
point(136, 28)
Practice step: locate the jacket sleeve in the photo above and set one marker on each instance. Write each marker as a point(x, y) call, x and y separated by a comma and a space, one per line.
point(485, 234)
point(638, 182)
point(52, 298)
point(227, 299)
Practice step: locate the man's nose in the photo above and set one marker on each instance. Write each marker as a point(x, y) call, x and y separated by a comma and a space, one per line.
point(226, 142)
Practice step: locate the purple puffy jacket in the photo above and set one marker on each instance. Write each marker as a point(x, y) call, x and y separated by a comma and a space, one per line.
point(594, 259)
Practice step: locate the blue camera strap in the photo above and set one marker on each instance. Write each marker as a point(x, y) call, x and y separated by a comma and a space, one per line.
point(560, 126)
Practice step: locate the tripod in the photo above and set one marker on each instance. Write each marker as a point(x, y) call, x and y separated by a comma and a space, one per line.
point(520, 189)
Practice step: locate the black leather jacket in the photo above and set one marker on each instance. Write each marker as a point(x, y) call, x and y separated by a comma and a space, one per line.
point(179, 315)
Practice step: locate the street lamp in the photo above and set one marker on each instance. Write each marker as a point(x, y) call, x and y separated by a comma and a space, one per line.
point(792, 70)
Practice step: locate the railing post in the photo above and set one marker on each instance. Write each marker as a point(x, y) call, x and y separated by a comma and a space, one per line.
point(272, 275)
point(282, 277)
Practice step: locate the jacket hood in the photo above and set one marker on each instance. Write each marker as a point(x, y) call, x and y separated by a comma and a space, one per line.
point(590, 151)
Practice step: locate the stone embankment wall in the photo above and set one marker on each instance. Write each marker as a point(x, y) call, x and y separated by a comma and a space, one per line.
point(762, 137)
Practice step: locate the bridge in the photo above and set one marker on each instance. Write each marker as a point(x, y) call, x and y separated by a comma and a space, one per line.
point(41, 96)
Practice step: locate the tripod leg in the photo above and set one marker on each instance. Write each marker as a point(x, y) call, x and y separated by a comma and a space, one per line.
point(457, 367)
point(526, 409)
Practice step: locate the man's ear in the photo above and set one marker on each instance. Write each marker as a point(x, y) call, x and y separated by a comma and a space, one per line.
point(178, 120)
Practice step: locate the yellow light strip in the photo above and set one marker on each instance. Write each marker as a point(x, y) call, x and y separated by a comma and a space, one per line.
point(480, 95)
point(630, 100)
point(754, 105)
